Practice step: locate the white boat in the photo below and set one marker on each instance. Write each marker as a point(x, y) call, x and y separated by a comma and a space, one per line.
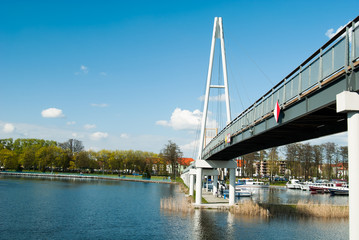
point(250, 183)
point(325, 186)
point(293, 184)
point(241, 192)
point(341, 191)
point(305, 186)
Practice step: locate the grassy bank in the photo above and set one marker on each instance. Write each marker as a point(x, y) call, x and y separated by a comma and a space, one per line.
point(184, 188)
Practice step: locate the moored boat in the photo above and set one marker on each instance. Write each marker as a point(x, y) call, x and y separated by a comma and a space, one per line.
point(326, 186)
point(339, 191)
point(241, 192)
point(293, 184)
point(250, 183)
point(305, 186)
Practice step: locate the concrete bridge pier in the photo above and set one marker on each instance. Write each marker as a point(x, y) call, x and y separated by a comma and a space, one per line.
point(199, 186)
point(191, 183)
point(232, 182)
point(210, 168)
point(215, 182)
point(349, 102)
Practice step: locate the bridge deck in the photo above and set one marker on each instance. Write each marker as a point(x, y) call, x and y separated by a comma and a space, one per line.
point(307, 98)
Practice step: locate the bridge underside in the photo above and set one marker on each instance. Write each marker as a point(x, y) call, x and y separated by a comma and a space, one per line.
point(316, 124)
point(313, 116)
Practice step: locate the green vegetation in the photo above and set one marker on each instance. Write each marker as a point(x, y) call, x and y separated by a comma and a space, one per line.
point(49, 156)
point(278, 183)
point(171, 153)
point(300, 160)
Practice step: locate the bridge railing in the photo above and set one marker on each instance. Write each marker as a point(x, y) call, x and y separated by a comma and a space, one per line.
point(336, 55)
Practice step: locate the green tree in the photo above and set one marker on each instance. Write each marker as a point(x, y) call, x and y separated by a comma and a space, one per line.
point(9, 159)
point(7, 143)
point(48, 157)
point(318, 159)
point(248, 161)
point(171, 153)
point(27, 158)
point(305, 154)
point(82, 160)
point(292, 157)
point(330, 149)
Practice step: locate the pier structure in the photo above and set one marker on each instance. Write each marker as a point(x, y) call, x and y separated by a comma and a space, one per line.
point(205, 167)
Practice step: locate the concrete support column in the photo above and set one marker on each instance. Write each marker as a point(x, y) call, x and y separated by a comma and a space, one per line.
point(353, 163)
point(215, 180)
point(232, 182)
point(191, 183)
point(349, 102)
point(207, 183)
point(199, 186)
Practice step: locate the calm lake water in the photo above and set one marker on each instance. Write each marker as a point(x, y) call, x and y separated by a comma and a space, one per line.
point(33, 208)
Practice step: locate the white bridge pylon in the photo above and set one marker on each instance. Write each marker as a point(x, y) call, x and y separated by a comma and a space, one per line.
point(204, 167)
point(217, 34)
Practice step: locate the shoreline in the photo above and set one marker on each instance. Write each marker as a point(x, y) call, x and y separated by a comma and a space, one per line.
point(57, 175)
point(267, 210)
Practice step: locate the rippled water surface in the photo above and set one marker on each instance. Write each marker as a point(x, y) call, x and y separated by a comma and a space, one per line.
point(32, 208)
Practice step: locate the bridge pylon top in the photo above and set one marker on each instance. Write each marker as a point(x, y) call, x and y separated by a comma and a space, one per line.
point(217, 34)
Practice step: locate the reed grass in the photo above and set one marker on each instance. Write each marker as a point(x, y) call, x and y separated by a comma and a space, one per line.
point(249, 208)
point(182, 205)
point(322, 210)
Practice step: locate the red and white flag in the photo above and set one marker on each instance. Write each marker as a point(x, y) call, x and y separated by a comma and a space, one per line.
point(276, 111)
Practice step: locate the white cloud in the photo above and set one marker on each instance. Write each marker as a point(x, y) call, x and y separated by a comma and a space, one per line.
point(84, 69)
point(103, 74)
point(89, 126)
point(98, 135)
point(52, 113)
point(331, 33)
point(186, 120)
point(124, 135)
point(74, 135)
point(101, 105)
point(190, 147)
point(9, 128)
point(218, 98)
point(71, 123)
point(183, 120)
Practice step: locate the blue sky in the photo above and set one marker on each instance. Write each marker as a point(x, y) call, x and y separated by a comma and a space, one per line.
point(130, 74)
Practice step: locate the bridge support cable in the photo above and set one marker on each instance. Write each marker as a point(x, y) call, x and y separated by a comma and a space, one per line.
point(348, 102)
point(203, 168)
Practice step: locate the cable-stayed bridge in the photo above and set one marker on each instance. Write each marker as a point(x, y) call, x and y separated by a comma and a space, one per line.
point(318, 98)
point(306, 98)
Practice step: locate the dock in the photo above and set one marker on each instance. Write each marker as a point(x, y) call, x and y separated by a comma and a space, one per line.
point(214, 202)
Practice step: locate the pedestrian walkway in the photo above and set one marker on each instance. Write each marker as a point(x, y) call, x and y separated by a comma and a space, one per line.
point(214, 202)
point(211, 199)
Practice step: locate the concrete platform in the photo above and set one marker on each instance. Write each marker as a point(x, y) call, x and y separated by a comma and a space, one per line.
point(211, 199)
point(213, 202)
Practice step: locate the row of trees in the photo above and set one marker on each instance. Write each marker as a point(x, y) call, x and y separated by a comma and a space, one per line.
point(302, 160)
point(44, 155)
